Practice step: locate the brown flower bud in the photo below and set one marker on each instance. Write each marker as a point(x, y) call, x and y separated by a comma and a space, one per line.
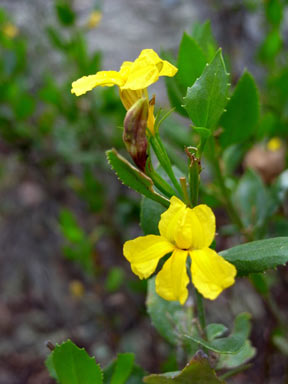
point(134, 135)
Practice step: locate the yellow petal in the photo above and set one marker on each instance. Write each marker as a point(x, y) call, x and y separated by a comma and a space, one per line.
point(146, 69)
point(103, 78)
point(94, 19)
point(211, 274)
point(125, 69)
point(164, 67)
point(171, 282)
point(129, 97)
point(187, 228)
point(168, 69)
point(170, 219)
point(141, 76)
point(206, 231)
point(144, 253)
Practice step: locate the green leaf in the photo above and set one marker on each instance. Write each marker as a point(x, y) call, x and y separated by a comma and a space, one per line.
point(232, 343)
point(65, 13)
point(150, 216)
point(246, 353)
point(206, 99)
point(24, 106)
point(50, 366)
point(215, 330)
point(271, 46)
point(115, 279)
point(73, 365)
point(253, 200)
point(258, 256)
point(56, 39)
point(123, 368)
point(176, 133)
point(133, 178)
point(274, 11)
point(281, 342)
point(232, 157)
point(242, 112)
point(203, 35)
point(191, 61)
point(196, 371)
point(70, 227)
point(166, 316)
point(175, 95)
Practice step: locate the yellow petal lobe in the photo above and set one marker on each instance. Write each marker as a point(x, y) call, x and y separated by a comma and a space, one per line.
point(103, 78)
point(168, 69)
point(144, 253)
point(211, 274)
point(171, 282)
point(169, 219)
point(205, 233)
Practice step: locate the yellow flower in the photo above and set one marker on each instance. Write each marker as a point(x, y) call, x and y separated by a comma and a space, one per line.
point(274, 144)
point(186, 233)
point(10, 30)
point(94, 19)
point(132, 79)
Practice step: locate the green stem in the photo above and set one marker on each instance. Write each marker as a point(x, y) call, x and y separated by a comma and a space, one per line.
point(183, 183)
point(160, 183)
point(164, 160)
point(201, 312)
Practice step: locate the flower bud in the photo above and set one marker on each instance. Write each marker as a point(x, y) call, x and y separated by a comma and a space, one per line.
point(134, 135)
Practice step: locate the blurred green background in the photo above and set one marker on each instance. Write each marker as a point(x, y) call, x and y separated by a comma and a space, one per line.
point(63, 214)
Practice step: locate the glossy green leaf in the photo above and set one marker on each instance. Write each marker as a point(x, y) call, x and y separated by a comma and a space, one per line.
point(197, 371)
point(232, 343)
point(230, 361)
point(206, 99)
point(242, 112)
point(258, 256)
point(191, 61)
point(123, 368)
point(73, 365)
point(133, 178)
